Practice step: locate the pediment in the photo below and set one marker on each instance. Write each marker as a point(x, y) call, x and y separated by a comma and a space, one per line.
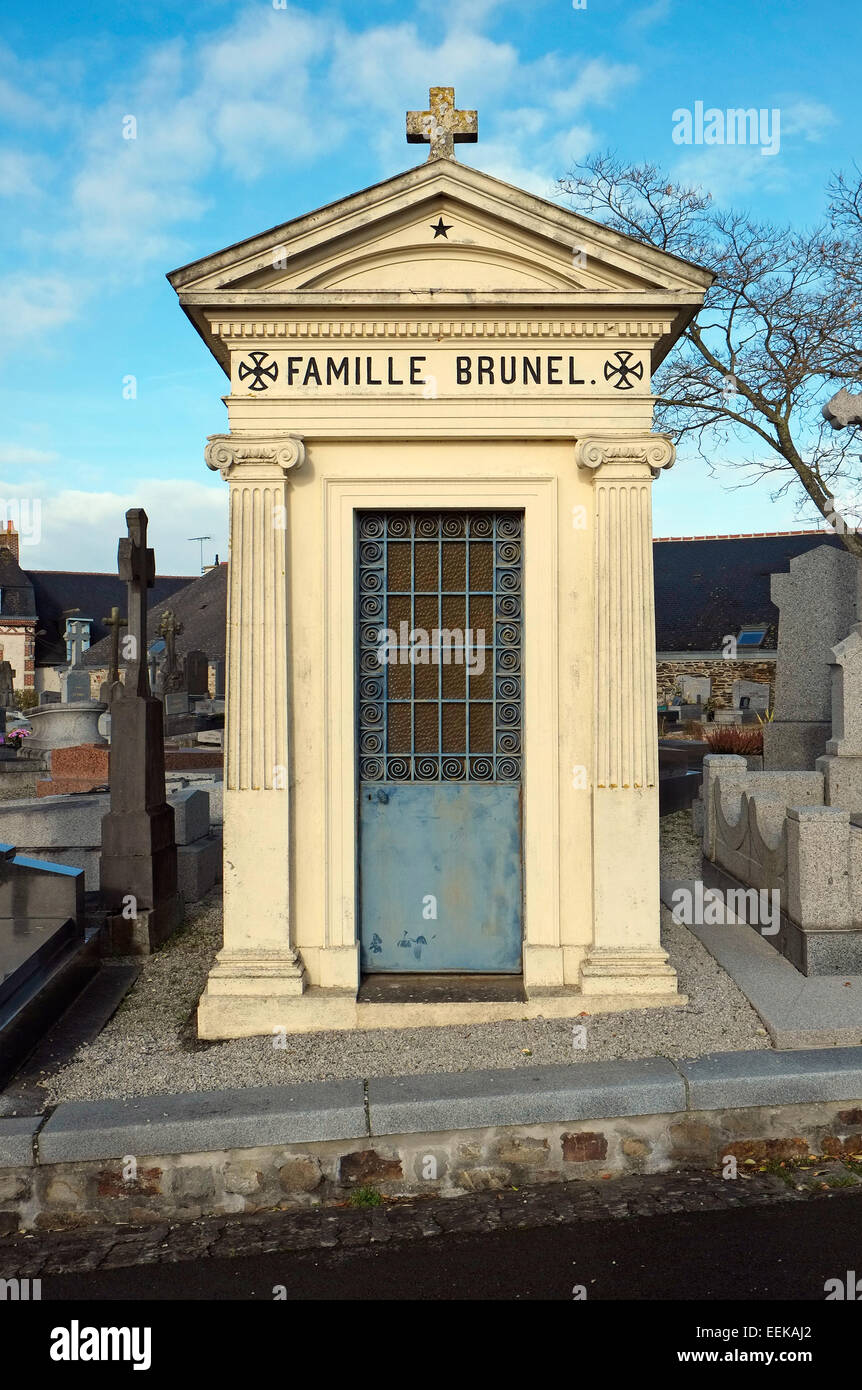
point(497, 239)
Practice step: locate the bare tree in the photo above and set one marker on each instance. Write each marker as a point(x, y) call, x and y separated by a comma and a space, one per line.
point(779, 333)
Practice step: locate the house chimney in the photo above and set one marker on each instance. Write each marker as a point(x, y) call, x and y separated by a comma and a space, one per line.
point(9, 538)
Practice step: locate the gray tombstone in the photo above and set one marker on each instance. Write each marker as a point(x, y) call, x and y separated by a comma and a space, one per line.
point(218, 678)
point(695, 689)
point(74, 686)
point(49, 697)
point(818, 604)
point(7, 685)
point(755, 692)
point(176, 702)
point(196, 673)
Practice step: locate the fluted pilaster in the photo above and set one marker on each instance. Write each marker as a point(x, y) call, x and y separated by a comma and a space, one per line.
point(625, 739)
point(258, 955)
point(256, 727)
point(626, 953)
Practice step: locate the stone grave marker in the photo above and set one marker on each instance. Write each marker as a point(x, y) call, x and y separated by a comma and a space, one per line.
point(755, 692)
point(116, 624)
point(196, 673)
point(75, 680)
point(7, 685)
point(695, 689)
point(139, 854)
point(818, 604)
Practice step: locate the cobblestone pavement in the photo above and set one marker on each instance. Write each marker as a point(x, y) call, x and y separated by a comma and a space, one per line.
point(399, 1222)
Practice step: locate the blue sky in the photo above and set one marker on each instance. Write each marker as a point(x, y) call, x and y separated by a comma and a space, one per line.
point(248, 115)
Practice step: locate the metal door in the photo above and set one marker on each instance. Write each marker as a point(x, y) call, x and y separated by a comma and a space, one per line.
point(439, 699)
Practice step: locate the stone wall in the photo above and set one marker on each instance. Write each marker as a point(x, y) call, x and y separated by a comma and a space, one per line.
point(721, 671)
point(185, 1187)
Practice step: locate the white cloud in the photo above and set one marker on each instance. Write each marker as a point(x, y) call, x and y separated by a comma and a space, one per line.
point(37, 304)
point(809, 119)
point(17, 456)
point(279, 88)
point(651, 14)
point(80, 529)
point(19, 175)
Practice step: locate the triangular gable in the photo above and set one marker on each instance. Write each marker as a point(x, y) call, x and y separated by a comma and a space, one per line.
point(383, 237)
point(382, 246)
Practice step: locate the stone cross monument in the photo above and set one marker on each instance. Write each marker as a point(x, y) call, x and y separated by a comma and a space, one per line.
point(75, 681)
point(116, 624)
point(139, 856)
point(172, 675)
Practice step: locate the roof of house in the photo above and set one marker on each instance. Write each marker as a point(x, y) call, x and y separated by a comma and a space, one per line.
point(16, 590)
point(201, 607)
point(707, 587)
point(70, 593)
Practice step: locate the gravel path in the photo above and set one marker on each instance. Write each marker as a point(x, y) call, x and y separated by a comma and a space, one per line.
point(150, 1045)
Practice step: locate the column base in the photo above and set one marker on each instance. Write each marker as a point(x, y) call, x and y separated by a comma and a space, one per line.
point(629, 970)
point(278, 972)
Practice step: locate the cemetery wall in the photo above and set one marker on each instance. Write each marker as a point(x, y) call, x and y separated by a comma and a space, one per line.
point(721, 671)
point(50, 1195)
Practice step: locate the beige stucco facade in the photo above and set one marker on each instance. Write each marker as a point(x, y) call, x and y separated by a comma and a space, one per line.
point(394, 349)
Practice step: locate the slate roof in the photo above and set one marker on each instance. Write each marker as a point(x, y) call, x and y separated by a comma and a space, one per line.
point(707, 587)
point(16, 591)
point(201, 607)
point(94, 595)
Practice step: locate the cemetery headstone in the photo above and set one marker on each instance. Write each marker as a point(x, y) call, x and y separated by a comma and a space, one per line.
point(841, 765)
point(7, 685)
point(74, 686)
point(756, 693)
point(170, 629)
point(176, 702)
point(139, 855)
point(116, 624)
point(695, 689)
point(818, 604)
point(75, 680)
point(196, 669)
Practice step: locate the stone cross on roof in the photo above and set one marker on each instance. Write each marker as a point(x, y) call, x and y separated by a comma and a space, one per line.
point(442, 126)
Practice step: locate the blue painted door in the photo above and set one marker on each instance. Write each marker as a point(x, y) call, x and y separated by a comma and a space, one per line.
point(439, 699)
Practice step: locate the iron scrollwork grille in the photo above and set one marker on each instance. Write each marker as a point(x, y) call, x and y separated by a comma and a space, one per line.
point(440, 628)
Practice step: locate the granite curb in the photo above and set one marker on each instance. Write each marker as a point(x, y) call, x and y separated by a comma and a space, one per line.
point(203, 1122)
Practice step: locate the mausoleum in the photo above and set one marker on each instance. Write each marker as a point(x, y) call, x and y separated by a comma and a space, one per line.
point(441, 797)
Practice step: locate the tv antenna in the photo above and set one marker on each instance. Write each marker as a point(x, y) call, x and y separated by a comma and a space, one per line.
point(201, 539)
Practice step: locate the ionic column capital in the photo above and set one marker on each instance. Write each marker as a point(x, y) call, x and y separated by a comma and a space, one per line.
point(263, 457)
point(625, 454)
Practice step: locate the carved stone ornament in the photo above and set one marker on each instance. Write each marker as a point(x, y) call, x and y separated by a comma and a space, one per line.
point(228, 451)
point(655, 450)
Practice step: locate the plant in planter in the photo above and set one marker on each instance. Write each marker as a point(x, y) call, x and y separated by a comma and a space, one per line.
point(744, 739)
